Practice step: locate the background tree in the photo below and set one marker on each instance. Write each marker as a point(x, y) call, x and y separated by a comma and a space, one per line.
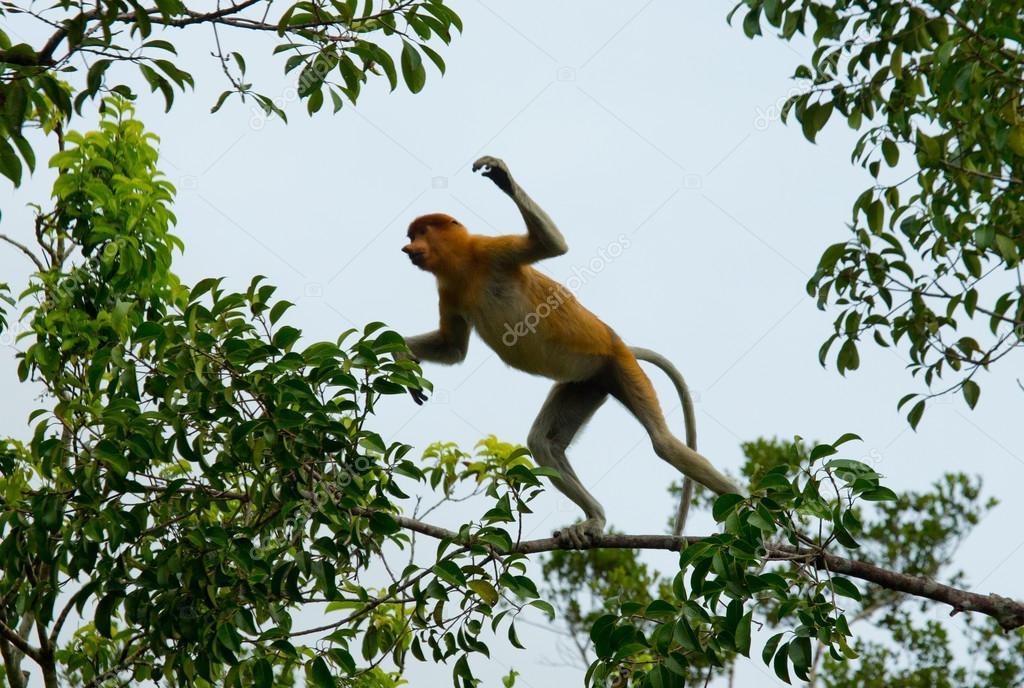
point(909, 645)
point(938, 237)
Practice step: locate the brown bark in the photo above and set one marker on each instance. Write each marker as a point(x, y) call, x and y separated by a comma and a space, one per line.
point(1009, 613)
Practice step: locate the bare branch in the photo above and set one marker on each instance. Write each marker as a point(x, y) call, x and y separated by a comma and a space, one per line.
point(24, 249)
point(11, 636)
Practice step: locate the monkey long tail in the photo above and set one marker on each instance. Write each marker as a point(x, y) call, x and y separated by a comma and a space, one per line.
point(690, 419)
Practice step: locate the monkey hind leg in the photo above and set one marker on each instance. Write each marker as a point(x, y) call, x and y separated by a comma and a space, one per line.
point(633, 388)
point(567, 409)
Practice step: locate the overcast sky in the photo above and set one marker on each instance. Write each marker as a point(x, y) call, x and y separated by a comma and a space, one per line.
point(653, 121)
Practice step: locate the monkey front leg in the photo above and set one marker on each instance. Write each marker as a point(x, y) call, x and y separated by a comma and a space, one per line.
point(435, 347)
point(448, 344)
point(539, 225)
point(438, 347)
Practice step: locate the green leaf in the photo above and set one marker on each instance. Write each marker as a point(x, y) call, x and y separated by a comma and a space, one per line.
point(752, 23)
point(876, 216)
point(485, 590)
point(544, 607)
point(434, 57)
point(462, 670)
point(412, 68)
point(385, 61)
point(10, 165)
point(450, 572)
point(845, 587)
point(158, 44)
point(971, 392)
point(891, 152)
point(513, 637)
point(843, 536)
point(821, 451)
point(770, 647)
point(781, 663)
point(384, 523)
point(278, 310)
point(846, 437)
point(742, 634)
point(262, 674)
point(880, 494)
point(800, 654)
point(914, 417)
point(725, 505)
point(104, 610)
point(848, 358)
point(286, 336)
point(220, 101)
point(203, 286)
point(320, 674)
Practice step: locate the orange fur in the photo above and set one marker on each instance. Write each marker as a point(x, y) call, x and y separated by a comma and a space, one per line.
point(531, 321)
point(535, 324)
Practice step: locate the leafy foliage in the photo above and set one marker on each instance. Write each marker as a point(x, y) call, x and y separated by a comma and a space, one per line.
point(709, 614)
point(333, 48)
point(917, 533)
point(938, 237)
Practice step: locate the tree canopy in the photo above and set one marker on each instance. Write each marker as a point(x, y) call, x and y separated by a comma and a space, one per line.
point(938, 237)
point(332, 47)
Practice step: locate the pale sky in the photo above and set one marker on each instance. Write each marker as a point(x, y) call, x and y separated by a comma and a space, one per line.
point(656, 121)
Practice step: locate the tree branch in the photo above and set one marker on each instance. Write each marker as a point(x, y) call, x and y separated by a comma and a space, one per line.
point(11, 636)
point(1007, 612)
point(24, 249)
point(23, 59)
point(12, 665)
point(45, 55)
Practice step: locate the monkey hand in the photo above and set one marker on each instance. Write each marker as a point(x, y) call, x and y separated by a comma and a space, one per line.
point(497, 171)
point(580, 535)
point(418, 395)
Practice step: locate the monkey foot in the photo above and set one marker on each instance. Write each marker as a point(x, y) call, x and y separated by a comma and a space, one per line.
point(581, 535)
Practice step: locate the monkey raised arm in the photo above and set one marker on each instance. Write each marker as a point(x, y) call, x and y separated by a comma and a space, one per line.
point(543, 239)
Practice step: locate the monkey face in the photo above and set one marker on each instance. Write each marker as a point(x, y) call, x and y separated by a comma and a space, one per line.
point(418, 250)
point(431, 239)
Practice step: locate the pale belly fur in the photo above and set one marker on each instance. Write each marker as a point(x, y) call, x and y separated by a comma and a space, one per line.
point(521, 332)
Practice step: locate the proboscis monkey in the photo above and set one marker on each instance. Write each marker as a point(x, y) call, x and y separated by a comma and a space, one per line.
point(487, 283)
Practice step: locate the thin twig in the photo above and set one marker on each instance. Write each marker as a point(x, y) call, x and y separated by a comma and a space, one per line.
point(24, 249)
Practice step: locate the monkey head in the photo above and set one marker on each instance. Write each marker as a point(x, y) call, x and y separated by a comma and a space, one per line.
point(436, 242)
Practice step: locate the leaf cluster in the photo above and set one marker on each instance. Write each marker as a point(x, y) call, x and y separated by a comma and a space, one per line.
point(933, 262)
point(332, 47)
